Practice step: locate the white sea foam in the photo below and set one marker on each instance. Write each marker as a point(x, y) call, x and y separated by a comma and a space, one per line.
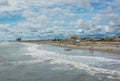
point(80, 62)
point(21, 62)
point(4, 43)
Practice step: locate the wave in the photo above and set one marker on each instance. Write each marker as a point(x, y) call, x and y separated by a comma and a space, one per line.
point(91, 64)
point(20, 62)
point(69, 64)
point(4, 43)
point(80, 62)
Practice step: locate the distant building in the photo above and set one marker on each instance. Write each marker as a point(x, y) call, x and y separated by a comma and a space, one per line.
point(117, 39)
point(74, 39)
point(18, 39)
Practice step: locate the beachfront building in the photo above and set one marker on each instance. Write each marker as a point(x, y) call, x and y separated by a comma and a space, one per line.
point(18, 39)
point(74, 39)
point(117, 39)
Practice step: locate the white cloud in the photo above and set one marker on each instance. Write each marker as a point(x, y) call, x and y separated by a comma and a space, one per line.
point(28, 14)
point(57, 10)
point(107, 29)
point(84, 3)
point(42, 18)
point(107, 10)
point(13, 5)
point(34, 17)
point(79, 31)
point(98, 17)
point(116, 3)
point(77, 24)
point(68, 15)
point(58, 17)
point(4, 3)
point(57, 23)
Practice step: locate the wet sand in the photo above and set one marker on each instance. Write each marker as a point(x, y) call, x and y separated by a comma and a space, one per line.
point(111, 47)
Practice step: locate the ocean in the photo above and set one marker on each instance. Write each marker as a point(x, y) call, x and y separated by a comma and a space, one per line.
point(39, 62)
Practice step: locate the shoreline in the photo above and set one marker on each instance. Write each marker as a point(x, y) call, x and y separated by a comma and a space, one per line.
point(91, 48)
point(109, 47)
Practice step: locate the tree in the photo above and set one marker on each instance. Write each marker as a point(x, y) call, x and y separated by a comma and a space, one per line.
point(18, 39)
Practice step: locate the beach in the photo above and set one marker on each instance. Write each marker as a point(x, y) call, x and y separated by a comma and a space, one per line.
point(110, 47)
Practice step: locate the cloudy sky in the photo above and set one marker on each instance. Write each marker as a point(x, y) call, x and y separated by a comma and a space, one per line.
point(45, 19)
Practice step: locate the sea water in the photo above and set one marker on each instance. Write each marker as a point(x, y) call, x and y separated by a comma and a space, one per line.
point(39, 62)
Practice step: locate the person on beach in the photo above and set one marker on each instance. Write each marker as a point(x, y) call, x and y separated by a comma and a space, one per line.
point(91, 48)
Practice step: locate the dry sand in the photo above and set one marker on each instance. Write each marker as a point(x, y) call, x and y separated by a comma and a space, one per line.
point(104, 47)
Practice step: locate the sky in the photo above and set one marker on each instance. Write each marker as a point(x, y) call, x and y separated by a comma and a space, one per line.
point(48, 19)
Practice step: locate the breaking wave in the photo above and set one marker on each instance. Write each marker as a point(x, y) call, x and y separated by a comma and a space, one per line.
point(91, 64)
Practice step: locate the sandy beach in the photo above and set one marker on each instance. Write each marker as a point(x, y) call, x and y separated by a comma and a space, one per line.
point(111, 47)
point(92, 47)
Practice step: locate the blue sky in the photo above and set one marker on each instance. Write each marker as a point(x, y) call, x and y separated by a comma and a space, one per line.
point(46, 19)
